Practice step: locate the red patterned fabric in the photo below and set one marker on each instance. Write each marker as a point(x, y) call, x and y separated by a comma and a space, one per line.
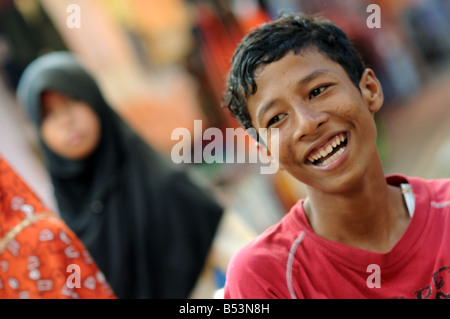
point(44, 259)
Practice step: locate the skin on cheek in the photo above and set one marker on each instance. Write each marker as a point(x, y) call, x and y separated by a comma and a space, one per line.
point(52, 139)
point(74, 139)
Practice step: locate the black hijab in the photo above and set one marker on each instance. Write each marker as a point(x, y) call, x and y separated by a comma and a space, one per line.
point(147, 226)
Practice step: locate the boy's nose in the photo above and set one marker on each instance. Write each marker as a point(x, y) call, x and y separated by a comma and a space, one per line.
point(308, 121)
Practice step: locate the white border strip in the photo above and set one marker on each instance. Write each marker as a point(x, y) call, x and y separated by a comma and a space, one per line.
point(440, 205)
point(290, 261)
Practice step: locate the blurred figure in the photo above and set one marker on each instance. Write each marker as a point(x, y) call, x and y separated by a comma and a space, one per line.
point(40, 257)
point(148, 227)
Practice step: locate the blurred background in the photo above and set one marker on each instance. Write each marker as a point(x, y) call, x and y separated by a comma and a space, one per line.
point(162, 64)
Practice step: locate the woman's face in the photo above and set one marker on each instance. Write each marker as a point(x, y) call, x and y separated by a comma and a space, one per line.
point(69, 128)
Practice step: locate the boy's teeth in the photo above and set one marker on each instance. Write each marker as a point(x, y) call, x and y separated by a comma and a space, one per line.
point(325, 151)
point(332, 158)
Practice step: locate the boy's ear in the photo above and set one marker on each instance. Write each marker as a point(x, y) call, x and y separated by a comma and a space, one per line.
point(371, 91)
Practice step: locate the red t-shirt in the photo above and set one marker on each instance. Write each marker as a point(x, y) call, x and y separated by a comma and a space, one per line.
point(290, 261)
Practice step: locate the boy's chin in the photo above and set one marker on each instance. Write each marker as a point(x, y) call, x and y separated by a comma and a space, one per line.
point(349, 182)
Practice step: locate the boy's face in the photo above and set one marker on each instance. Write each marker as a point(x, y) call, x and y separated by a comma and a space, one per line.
point(69, 128)
point(326, 132)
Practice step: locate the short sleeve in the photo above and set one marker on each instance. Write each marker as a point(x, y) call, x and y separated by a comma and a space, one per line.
point(255, 274)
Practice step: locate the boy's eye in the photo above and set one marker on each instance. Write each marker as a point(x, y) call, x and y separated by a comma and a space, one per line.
point(275, 119)
point(317, 91)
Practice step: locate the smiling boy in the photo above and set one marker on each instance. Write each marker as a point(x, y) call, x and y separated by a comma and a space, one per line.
point(303, 76)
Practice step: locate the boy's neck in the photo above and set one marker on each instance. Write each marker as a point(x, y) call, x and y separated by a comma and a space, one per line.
point(371, 216)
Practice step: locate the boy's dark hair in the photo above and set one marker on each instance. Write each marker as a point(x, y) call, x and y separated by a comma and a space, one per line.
point(272, 41)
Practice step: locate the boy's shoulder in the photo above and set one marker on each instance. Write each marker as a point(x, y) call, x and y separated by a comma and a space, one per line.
point(435, 190)
point(264, 257)
point(279, 235)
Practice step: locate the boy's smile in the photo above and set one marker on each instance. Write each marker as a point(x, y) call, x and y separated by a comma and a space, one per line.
point(325, 124)
point(329, 153)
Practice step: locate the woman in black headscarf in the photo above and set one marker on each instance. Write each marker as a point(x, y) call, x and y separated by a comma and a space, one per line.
point(146, 225)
